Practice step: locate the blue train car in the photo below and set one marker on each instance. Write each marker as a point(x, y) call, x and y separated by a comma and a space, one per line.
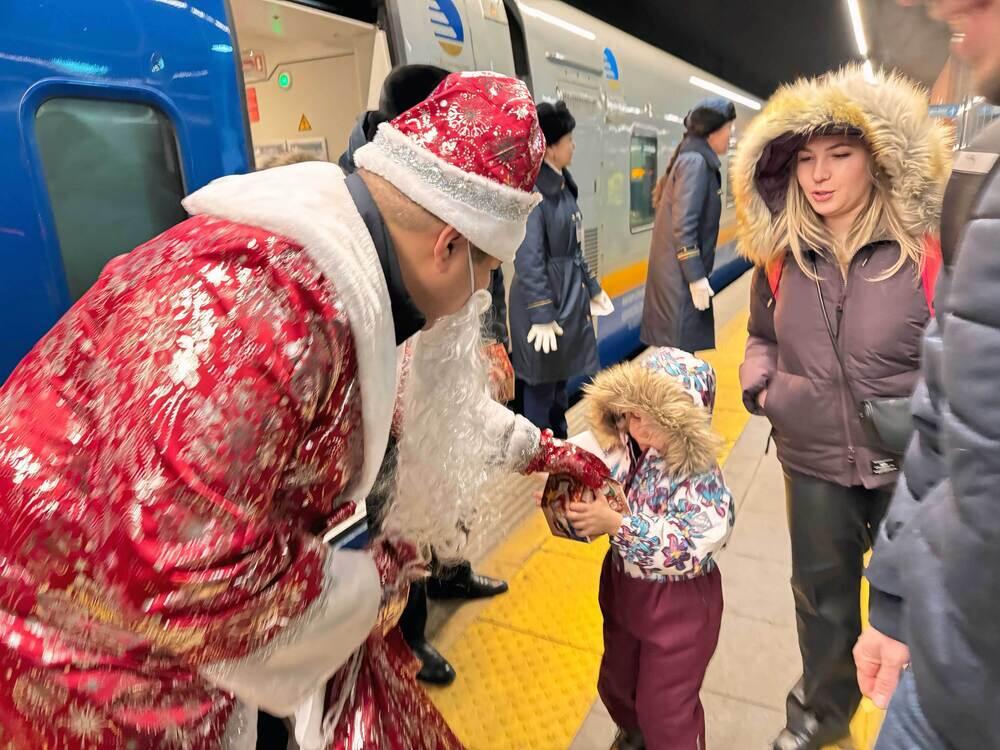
point(108, 117)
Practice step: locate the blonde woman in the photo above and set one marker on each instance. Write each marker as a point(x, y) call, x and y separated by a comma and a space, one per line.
point(838, 185)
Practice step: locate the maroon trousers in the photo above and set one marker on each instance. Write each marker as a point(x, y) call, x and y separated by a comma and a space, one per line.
point(658, 640)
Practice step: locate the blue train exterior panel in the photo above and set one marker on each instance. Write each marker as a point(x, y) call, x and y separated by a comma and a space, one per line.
point(179, 58)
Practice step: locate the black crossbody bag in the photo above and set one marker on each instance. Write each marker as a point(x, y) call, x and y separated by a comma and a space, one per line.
point(886, 422)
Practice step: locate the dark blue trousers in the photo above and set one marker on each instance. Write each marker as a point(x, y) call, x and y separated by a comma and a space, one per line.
point(545, 406)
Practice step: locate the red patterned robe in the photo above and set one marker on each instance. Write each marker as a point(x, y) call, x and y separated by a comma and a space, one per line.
point(171, 454)
point(168, 454)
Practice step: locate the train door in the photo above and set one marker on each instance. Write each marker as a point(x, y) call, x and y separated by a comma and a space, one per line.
point(109, 114)
point(585, 104)
point(308, 74)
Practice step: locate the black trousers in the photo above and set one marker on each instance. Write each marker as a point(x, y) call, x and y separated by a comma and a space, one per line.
point(545, 405)
point(831, 528)
point(413, 621)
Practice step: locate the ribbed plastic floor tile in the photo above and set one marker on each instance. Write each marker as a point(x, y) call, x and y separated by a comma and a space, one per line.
point(517, 691)
point(593, 552)
point(557, 601)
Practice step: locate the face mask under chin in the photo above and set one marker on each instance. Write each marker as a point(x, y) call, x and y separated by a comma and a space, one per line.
point(480, 300)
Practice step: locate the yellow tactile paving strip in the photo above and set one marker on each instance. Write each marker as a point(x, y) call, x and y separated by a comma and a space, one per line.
point(527, 663)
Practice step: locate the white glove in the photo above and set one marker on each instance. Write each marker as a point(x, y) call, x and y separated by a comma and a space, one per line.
point(601, 305)
point(701, 293)
point(543, 336)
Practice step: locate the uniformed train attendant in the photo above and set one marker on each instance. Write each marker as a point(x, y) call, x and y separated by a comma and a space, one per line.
point(677, 310)
point(551, 296)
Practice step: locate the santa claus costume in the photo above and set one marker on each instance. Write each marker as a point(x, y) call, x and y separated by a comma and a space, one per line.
point(172, 452)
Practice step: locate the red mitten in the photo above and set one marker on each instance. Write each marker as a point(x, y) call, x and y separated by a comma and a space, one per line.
point(398, 563)
point(559, 457)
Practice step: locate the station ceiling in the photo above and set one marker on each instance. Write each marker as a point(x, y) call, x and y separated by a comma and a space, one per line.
point(759, 44)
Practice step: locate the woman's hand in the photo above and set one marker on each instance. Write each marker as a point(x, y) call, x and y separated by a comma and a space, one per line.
point(601, 305)
point(594, 518)
point(701, 294)
point(544, 335)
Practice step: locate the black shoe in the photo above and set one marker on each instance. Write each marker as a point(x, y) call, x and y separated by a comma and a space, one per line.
point(468, 586)
point(809, 740)
point(435, 669)
point(629, 740)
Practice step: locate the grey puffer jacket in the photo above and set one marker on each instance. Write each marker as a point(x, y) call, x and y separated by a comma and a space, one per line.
point(878, 325)
point(935, 573)
point(878, 321)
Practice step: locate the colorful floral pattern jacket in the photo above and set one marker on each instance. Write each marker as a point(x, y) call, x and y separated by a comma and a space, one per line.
point(680, 511)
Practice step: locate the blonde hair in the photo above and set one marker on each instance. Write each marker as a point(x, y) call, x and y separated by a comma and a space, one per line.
point(801, 228)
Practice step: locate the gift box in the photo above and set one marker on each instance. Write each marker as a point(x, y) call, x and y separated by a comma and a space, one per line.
point(501, 372)
point(561, 490)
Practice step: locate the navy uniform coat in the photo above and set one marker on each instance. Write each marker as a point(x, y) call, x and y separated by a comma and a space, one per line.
point(683, 250)
point(553, 282)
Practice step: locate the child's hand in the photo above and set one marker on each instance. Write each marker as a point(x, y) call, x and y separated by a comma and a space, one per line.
point(594, 518)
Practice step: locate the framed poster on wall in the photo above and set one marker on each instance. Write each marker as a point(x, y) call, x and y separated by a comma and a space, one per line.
point(315, 146)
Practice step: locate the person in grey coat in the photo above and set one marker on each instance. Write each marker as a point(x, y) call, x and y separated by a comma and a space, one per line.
point(677, 309)
point(552, 336)
point(836, 229)
point(935, 571)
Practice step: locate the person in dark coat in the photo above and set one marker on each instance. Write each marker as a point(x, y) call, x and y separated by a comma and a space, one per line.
point(839, 300)
point(934, 572)
point(677, 309)
point(553, 290)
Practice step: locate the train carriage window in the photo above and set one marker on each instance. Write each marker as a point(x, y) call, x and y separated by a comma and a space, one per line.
point(642, 180)
point(113, 177)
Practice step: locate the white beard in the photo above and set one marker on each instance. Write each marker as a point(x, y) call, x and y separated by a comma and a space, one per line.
point(447, 449)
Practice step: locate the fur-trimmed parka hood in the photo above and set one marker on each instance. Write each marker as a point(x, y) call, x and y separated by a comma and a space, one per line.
point(676, 390)
point(911, 148)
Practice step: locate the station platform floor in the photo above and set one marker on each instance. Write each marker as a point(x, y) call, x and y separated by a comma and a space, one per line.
point(527, 661)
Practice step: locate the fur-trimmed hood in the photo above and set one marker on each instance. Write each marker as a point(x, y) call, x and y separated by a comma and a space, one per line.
point(675, 389)
point(891, 116)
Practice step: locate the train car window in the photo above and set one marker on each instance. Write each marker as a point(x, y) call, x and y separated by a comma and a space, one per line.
point(642, 180)
point(113, 177)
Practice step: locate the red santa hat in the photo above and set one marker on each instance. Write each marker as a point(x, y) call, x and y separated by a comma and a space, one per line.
point(469, 154)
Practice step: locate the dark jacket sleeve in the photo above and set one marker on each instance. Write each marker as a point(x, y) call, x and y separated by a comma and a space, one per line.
point(498, 310)
point(923, 469)
point(690, 192)
point(529, 265)
point(761, 357)
point(960, 524)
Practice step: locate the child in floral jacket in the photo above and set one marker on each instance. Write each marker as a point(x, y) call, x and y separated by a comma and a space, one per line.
point(661, 593)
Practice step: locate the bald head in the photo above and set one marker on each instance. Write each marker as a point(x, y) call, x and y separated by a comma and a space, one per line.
point(397, 210)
